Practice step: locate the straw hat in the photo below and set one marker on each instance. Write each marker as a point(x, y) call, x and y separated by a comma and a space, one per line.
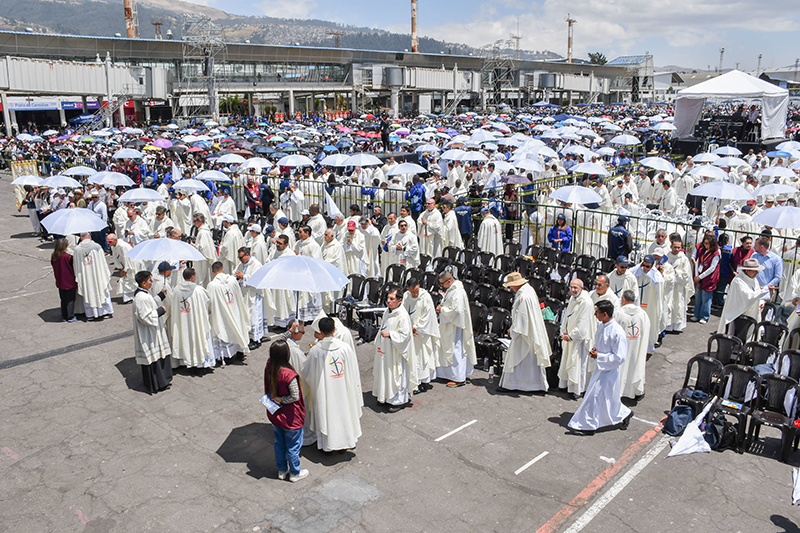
point(751, 264)
point(515, 279)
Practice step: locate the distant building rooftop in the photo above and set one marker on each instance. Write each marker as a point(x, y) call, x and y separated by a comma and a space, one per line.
point(629, 60)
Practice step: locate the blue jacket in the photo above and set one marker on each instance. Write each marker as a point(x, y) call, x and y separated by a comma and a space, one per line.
point(416, 197)
point(464, 217)
point(565, 235)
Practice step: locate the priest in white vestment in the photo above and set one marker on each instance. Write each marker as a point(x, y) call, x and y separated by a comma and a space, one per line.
point(225, 208)
point(636, 324)
point(456, 358)
point(252, 297)
point(372, 240)
point(158, 228)
point(190, 324)
point(405, 246)
point(683, 289)
point(602, 291)
point(333, 253)
point(431, 230)
point(528, 355)
point(204, 243)
point(181, 212)
point(405, 214)
point(744, 295)
point(279, 304)
point(229, 315)
point(127, 267)
point(490, 235)
point(317, 223)
point(94, 279)
point(621, 279)
point(310, 303)
point(395, 356)
point(355, 250)
point(388, 236)
point(151, 347)
point(452, 233)
point(334, 392)
point(425, 327)
point(650, 294)
point(231, 242)
point(199, 205)
point(602, 405)
point(258, 244)
point(577, 334)
point(136, 228)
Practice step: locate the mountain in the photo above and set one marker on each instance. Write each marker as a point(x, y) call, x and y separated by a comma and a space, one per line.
point(104, 18)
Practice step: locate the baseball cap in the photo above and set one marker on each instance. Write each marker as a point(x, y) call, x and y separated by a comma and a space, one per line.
point(283, 220)
point(351, 224)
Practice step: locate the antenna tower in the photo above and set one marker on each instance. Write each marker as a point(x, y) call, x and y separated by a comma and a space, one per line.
point(517, 37)
point(157, 23)
point(337, 37)
point(570, 23)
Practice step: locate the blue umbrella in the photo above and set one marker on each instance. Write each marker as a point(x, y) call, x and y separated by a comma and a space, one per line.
point(779, 153)
point(329, 148)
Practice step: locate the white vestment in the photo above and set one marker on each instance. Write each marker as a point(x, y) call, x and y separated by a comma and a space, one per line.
point(149, 338)
point(650, 296)
point(426, 333)
point(456, 357)
point(490, 236)
point(229, 317)
point(408, 254)
point(395, 358)
point(579, 323)
point(127, 283)
point(229, 248)
point(529, 352)
point(355, 250)
point(94, 279)
point(333, 395)
point(190, 325)
point(432, 235)
point(333, 252)
point(618, 283)
point(682, 290)
point(205, 245)
point(601, 404)
point(253, 299)
point(636, 324)
point(452, 233)
point(744, 298)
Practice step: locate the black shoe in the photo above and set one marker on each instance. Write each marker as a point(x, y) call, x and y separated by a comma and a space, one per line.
point(624, 424)
point(639, 397)
point(425, 386)
point(575, 396)
point(657, 344)
point(586, 432)
point(396, 408)
point(503, 390)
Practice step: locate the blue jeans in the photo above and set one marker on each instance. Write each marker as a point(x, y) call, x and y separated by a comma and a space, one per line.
point(287, 446)
point(702, 304)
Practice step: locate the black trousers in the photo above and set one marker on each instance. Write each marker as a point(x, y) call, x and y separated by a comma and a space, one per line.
point(67, 303)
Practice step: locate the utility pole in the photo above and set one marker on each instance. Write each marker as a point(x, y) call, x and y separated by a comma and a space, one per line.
point(131, 19)
point(517, 37)
point(337, 36)
point(721, 55)
point(796, 63)
point(570, 22)
point(414, 43)
point(758, 68)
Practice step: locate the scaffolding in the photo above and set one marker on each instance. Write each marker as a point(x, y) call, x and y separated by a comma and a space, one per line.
point(204, 57)
point(638, 79)
point(498, 71)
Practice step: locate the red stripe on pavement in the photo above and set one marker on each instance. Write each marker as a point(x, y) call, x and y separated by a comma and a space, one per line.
point(584, 495)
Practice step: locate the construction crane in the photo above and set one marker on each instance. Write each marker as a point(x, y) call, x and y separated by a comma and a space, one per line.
point(517, 37)
point(337, 37)
point(131, 18)
point(157, 23)
point(414, 43)
point(570, 22)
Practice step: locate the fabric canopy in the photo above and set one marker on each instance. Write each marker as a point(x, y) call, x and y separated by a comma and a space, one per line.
point(733, 85)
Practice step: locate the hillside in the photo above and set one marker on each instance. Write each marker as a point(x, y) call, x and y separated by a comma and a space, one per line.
point(103, 18)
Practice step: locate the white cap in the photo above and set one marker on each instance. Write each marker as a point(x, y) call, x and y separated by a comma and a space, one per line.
point(227, 218)
point(256, 228)
point(304, 212)
point(727, 208)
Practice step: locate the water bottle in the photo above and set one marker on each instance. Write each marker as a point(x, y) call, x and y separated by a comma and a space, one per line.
point(486, 363)
point(491, 374)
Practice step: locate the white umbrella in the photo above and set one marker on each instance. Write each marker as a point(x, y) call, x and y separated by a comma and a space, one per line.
point(452, 155)
point(574, 194)
point(774, 189)
point(480, 135)
point(306, 274)
point(529, 164)
point(473, 156)
point(191, 185)
point(727, 150)
point(54, 182)
point(34, 181)
point(546, 151)
point(97, 177)
point(49, 133)
point(406, 168)
point(425, 148)
point(658, 163)
point(70, 221)
point(132, 131)
point(625, 140)
point(79, 171)
point(787, 216)
point(258, 163)
point(663, 126)
point(589, 168)
point(165, 250)
point(611, 127)
point(213, 175)
point(114, 179)
point(709, 171)
point(231, 159)
point(362, 160)
point(722, 189)
point(335, 160)
point(778, 172)
point(788, 146)
point(139, 195)
point(128, 153)
point(295, 161)
point(705, 158)
point(503, 166)
point(605, 150)
point(730, 161)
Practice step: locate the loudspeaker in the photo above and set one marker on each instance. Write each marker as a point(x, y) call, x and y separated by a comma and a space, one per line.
point(686, 147)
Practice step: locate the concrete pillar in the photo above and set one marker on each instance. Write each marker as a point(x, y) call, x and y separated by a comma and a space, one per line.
point(250, 104)
point(313, 103)
point(62, 118)
point(483, 99)
point(353, 102)
point(569, 96)
point(6, 114)
point(122, 115)
point(84, 104)
point(394, 102)
point(147, 114)
point(14, 125)
point(291, 104)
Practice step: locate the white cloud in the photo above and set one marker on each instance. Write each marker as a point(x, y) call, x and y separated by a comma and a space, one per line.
point(294, 9)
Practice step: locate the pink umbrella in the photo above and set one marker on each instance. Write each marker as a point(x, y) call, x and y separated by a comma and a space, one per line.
point(163, 143)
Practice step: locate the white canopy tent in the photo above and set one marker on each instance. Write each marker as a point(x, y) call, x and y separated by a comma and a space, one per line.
point(733, 85)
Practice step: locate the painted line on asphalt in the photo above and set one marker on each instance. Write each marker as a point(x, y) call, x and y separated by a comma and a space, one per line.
point(597, 483)
point(21, 295)
point(608, 459)
point(450, 433)
point(649, 423)
point(529, 463)
point(60, 351)
point(617, 487)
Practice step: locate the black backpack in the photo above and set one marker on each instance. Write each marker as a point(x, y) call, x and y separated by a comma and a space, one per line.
point(367, 331)
point(678, 419)
point(719, 433)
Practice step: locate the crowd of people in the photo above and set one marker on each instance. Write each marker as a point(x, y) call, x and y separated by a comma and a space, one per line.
point(203, 314)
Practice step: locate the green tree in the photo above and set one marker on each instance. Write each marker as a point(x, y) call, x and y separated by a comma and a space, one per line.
point(597, 58)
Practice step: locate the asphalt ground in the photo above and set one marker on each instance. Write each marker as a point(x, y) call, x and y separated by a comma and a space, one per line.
point(83, 447)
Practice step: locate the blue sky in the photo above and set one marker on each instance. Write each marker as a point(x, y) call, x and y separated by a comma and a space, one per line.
point(678, 32)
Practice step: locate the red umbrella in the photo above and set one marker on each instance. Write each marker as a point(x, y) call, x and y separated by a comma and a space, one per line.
point(194, 149)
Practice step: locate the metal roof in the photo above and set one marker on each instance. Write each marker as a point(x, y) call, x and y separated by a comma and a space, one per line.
point(629, 60)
